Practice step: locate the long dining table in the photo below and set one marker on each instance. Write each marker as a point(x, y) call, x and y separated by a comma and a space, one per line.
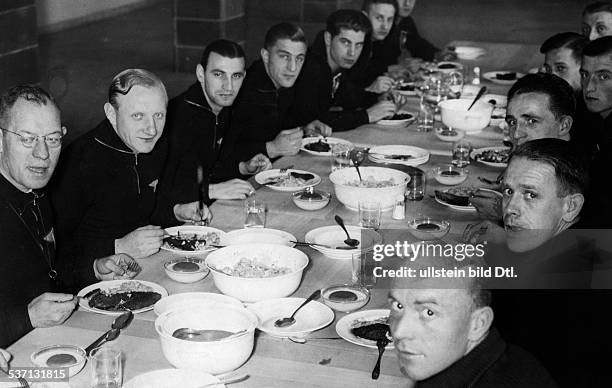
point(279, 362)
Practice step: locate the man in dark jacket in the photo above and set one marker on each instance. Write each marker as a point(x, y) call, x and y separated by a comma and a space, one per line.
point(200, 133)
point(31, 289)
point(104, 194)
point(324, 91)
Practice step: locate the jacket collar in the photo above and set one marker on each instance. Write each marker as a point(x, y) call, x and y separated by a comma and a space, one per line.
point(195, 97)
point(261, 80)
point(105, 134)
point(17, 198)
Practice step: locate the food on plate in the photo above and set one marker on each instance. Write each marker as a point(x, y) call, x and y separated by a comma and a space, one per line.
point(191, 241)
point(506, 76)
point(458, 196)
point(253, 268)
point(128, 296)
point(293, 179)
point(447, 66)
point(345, 298)
point(375, 330)
point(319, 146)
point(428, 226)
point(185, 266)
point(60, 360)
point(407, 87)
point(493, 156)
point(400, 116)
point(371, 182)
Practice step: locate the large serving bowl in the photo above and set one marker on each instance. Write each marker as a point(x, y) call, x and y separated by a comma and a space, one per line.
point(214, 357)
point(351, 195)
point(454, 114)
point(254, 289)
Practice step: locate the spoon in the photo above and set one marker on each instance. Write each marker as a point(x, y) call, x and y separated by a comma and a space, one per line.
point(205, 335)
point(302, 340)
point(478, 95)
point(357, 159)
point(381, 344)
point(284, 322)
point(320, 245)
point(121, 322)
point(226, 381)
point(351, 242)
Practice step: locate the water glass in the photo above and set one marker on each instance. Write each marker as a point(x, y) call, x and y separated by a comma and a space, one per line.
point(369, 214)
point(255, 213)
point(362, 273)
point(425, 121)
point(417, 186)
point(461, 153)
point(340, 156)
point(106, 368)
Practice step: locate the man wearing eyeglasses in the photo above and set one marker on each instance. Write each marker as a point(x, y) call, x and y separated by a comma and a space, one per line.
point(30, 286)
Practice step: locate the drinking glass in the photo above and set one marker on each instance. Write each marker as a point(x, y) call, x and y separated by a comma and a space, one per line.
point(425, 120)
point(454, 83)
point(255, 213)
point(369, 214)
point(106, 368)
point(340, 156)
point(417, 186)
point(461, 153)
point(362, 270)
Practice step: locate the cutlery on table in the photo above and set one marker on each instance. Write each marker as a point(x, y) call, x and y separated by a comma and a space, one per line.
point(303, 340)
point(200, 177)
point(480, 93)
point(288, 321)
point(20, 380)
point(392, 156)
point(206, 335)
point(226, 380)
point(381, 344)
point(121, 322)
point(351, 242)
point(321, 245)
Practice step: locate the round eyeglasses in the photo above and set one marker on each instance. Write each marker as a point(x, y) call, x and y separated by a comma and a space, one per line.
point(52, 140)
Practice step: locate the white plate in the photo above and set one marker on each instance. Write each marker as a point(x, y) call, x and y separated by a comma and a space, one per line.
point(491, 76)
point(264, 176)
point(334, 236)
point(173, 378)
point(389, 122)
point(456, 207)
point(420, 155)
point(469, 52)
point(191, 229)
point(258, 235)
point(185, 299)
point(478, 151)
point(344, 326)
point(312, 317)
point(105, 285)
point(330, 140)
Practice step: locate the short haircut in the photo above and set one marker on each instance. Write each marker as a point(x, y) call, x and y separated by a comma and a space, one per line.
point(347, 19)
point(367, 3)
point(560, 94)
point(573, 41)
point(123, 82)
point(284, 31)
point(598, 6)
point(571, 167)
point(598, 47)
point(28, 92)
point(225, 48)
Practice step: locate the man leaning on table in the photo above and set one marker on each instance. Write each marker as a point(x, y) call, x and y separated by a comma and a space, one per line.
point(31, 277)
point(262, 110)
point(104, 192)
point(444, 336)
point(199, 132)
point(324, 91)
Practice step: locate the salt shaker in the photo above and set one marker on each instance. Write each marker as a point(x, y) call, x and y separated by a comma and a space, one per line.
point(476, 79)
point(399, 210)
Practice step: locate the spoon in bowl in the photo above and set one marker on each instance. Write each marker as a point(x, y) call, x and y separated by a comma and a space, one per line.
point(288, 321)
point(478, 95)
point(351, 242)
point(205, 335)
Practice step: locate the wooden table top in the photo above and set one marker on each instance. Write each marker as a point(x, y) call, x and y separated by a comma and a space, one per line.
point(280, 362)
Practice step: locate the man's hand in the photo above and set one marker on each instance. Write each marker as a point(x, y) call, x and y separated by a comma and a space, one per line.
point(115, 267)
point(381, 84)
point(287, 142)
point(50, 309)
point(232, 189)
point(488, 205)
point(483, 231)
point(141, 242)
point(317, 127)
point(255, 165)
point(445, 55)
point(5, 357)
point(380, 110)
point(190, 212)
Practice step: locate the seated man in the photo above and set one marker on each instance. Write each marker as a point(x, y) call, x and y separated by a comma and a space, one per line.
point(31, 279)
point(323, 89)
point(117, 166)
point(539, 106)
point(597, 20)
point(261, 113)
point(596, 71)
point(198, 128)
point(443, 334)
